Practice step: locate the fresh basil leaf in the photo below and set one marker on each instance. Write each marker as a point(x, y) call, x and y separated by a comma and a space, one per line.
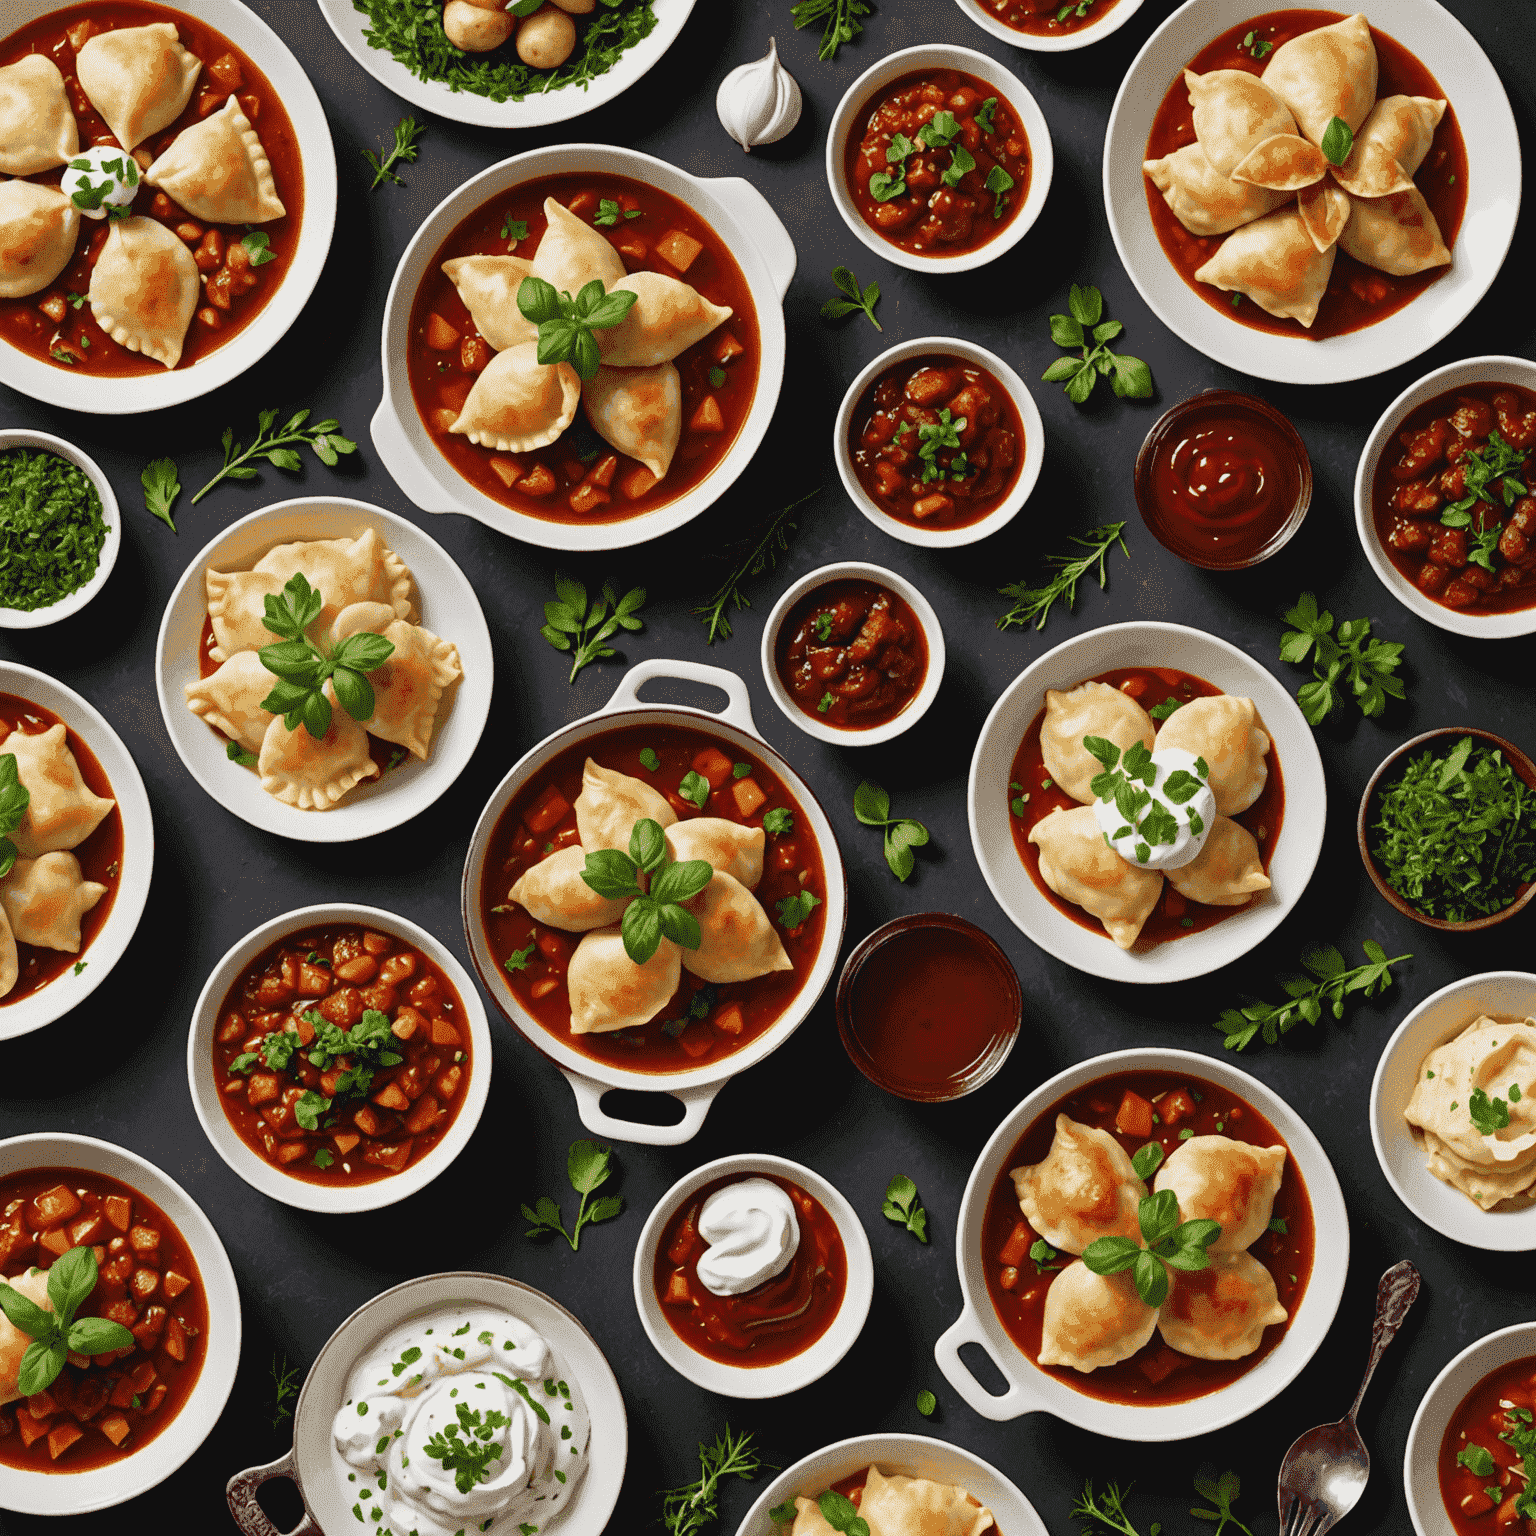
point(97, 1335)
point(610, 873)
point(1147, 1160)
point(316, 714)
point(1158, 1216)
point(679, 882)
point(40, 1366)
point(295, 660)
point(354, 693)
point(537, 300)
point(1066, 332)
point(1110, 1255)
point(71, 1279)
point(1338, 141)
point(641, 929)
point(585, 356)
point(679, 925)
point(648, 845)
point(587, 1166)
point(24, 1313)
point(1151, 1279)
point(363, 652)
point(871, 804)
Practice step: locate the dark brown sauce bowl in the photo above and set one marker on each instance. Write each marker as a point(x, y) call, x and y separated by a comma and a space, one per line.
point(932, 930)
point(1443, 736)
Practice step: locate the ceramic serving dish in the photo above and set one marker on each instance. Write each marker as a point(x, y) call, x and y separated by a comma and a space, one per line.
point(1471, 370)
point(788, 1375)
point(78, 1493)
point(113, 396)
point(1029, 468)
point(590, 1079)
point(315, 1467)
point(906, 61)
point(1471, 84)
point(1144, 644)
point(1399, 1148)
point(736, 210)
point(77, 983)
point(446, 604)
point(1033, 1390)
point(1080, 37)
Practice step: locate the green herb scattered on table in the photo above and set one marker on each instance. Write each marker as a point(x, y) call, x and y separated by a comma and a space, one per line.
point(927, 1404)
point(687, 1510)
point(275, 445)
point(902, 1206)
point(404, 150)
point(572, 625)
point(1348, 663)
point(161, 488)
point(57, 1334)
point(1166, 1242)
point(568, 327)
point(655, 913)
point(1455, 834)
point(756, 559)
point(51, 528)
point(1222, 1492)
point(1032, 605)
point(858, 298)
point(872, 805)
point(1330, 982)
point(1108, 1509)
point(285, 1387)
point(587, 1166)
point(1086, 328)
point(839, 18)
point(14, 799)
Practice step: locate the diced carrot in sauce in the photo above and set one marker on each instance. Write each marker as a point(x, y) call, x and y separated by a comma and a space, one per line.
point(588, 498)
point(443, 1033)
point(695, 1042)
point(366, 1120)
point(55, 1205)
point(440, 334)
point(552, 946)
point(232, 1028)
point(62, 1436)
point(707, 417)
point(1134, 1117)
point(144, 1284)
point(730, 1019)
point(143, 1375)
point(678, 250)
point(748, 796)
point(42, 1405)
point(1016, 1249)
point(393, 1158)
point(156, 1396)
point(122, 1393)
point(603, 471)
point(345, 1141)
point(121, 1311)
point(175, 1341)
point(424, 1116)
point(226, 70)
point(448, 1083)
point(84, 1233)
point(583, 204)
point(1008, 1277)
point(54, 307)
point(1176, 1106)
point(291, 1152)
point(30, 1429)
point(505, 470)
point(635, 483)
point(544, 986)
point(713, 765)
point(474, 354)
point(56, 1242)
point(677, 1288)
point(390, 1097)
point(549, 808)
point(727, 347)
point(262, 1088)
point(115, 1427)
point(175, 1283)
point(633, 248)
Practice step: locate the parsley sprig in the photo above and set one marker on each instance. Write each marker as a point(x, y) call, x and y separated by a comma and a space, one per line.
point(757, 558)
point(1032, 605)
point(1086, 328)
point(571, 624)
point(587, 1166)
point(276, 444)
point(15, 797)
point(839, 18)
point(1348, 663)
point(858, 298)
point(687, 1510)
point(568, 327)
point(404, 150)
point(1166, 1242)
point(57, 1334)
point(1256, 46)
point(902, 1206)
point(872, 805)
point(655, 912)
point(1329, 983)
point(1222, 1492)
point(161, 488)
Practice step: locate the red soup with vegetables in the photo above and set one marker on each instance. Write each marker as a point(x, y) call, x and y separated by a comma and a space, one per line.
point(774, 1321)
point(936, 442)
point(1451, 498)
point(1033, 795)
point(579, 478)
point(852, 653)
point(1488, 1454)
point(1137, 1108)
point(102, 1408)
point(937, 163)
point(699, 775)
point(1048, 18)
point(100, 855)
point(241, 266)
point(342, 1055)
point(1357, 295)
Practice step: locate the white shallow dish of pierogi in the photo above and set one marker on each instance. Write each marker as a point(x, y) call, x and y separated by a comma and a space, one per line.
point(1432, 33)
point(112, 395)
point(320, 1474)
point(73, 985)
point(442, 602)
point(1145, 644)
point(1034, 1390)
point(1400, 1147)
point(736, 211)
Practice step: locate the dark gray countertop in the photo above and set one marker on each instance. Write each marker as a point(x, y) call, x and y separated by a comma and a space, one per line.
point(115, 1068)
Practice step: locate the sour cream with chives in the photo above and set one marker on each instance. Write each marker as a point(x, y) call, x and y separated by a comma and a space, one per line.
point(101, 180)
point(1155, 809)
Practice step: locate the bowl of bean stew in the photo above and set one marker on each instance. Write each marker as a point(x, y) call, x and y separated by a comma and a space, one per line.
point(1049, 26)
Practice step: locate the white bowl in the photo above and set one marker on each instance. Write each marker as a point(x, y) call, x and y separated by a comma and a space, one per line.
point(66, 607)
point(590, 1079)
point(762, 1380)
point(1033, 1390)
point(78, 1493)
point(1029, 469)
point(314, 1465)
point(908, 61)
point(1471, 370)
point(447, 606)
point(1144, 644)
point(534, 111)
point(1428, 30)
point(1441, 1017)
point(250, 1165)
point(933, 633)
point(1079, 37)
point(1421, 1458)
point(737, 212)
point(904, 1455)
point(72, 987)
point(115, 396)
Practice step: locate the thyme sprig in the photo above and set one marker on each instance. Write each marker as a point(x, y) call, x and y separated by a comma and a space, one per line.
point(1034, 604)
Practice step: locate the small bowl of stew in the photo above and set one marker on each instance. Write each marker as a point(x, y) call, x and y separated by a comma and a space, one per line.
point(1050, 26)
point(853, 654)
point(780, 1334)
point(939, 159)
point(938, 442)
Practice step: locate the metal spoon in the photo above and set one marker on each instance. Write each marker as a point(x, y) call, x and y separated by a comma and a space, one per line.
point(1325, 1471)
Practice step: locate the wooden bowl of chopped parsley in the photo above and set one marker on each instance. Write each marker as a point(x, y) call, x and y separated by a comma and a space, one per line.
point(1447, 829)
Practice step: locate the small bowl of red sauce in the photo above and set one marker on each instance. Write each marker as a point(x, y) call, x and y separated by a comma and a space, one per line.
point(928, 1007)
point(939, 159)
point(1049, 26)
point(938, 442)
point(1223, 480)
point(753, 1276)
point(853, 654)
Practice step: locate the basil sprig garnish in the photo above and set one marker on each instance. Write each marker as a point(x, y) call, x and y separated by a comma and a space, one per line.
point(57, 1334)
point(939, 132)
point(1117, 786)
point(1166, 1241)
point(656, 912)
point(567, 326)
point(14, 799)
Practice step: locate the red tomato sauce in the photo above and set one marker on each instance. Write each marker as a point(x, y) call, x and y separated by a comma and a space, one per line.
point(1480, 1465)
point(1048, 18)
point(1017, 1284)
point(1357, 295)
point(1174, 915)
point(702, 1023)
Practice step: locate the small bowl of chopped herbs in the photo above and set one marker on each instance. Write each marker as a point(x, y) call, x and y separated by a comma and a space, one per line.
point(1447, 829)
point(59, 529)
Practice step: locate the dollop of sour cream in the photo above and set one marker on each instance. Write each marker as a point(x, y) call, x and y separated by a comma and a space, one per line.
point(460, 1420)
point(753, 1235)
point(100, 179)
point(1171, 829)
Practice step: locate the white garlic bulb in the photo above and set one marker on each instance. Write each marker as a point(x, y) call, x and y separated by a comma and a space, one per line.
point(759, 103)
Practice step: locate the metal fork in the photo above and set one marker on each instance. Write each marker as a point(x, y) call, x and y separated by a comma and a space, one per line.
point(1325, 1471)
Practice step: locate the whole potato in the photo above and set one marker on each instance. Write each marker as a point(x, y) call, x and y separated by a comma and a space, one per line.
point(577, 7)
point(474, 29)
point(547, 38)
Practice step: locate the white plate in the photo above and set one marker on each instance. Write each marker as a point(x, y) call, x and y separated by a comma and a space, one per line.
point(1079, 37)
point(106, 949)
point(447, 606)
point(349, 25)
point(1441, 1017)
point(1142, 644)
point(112, 396)
point(1470, 83)
point(77, 1493)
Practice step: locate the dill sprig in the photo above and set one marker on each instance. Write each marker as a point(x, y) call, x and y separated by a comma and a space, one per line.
point(763, 556)
point(687, 1510)
point(1034, 604)
point(285, 1387)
